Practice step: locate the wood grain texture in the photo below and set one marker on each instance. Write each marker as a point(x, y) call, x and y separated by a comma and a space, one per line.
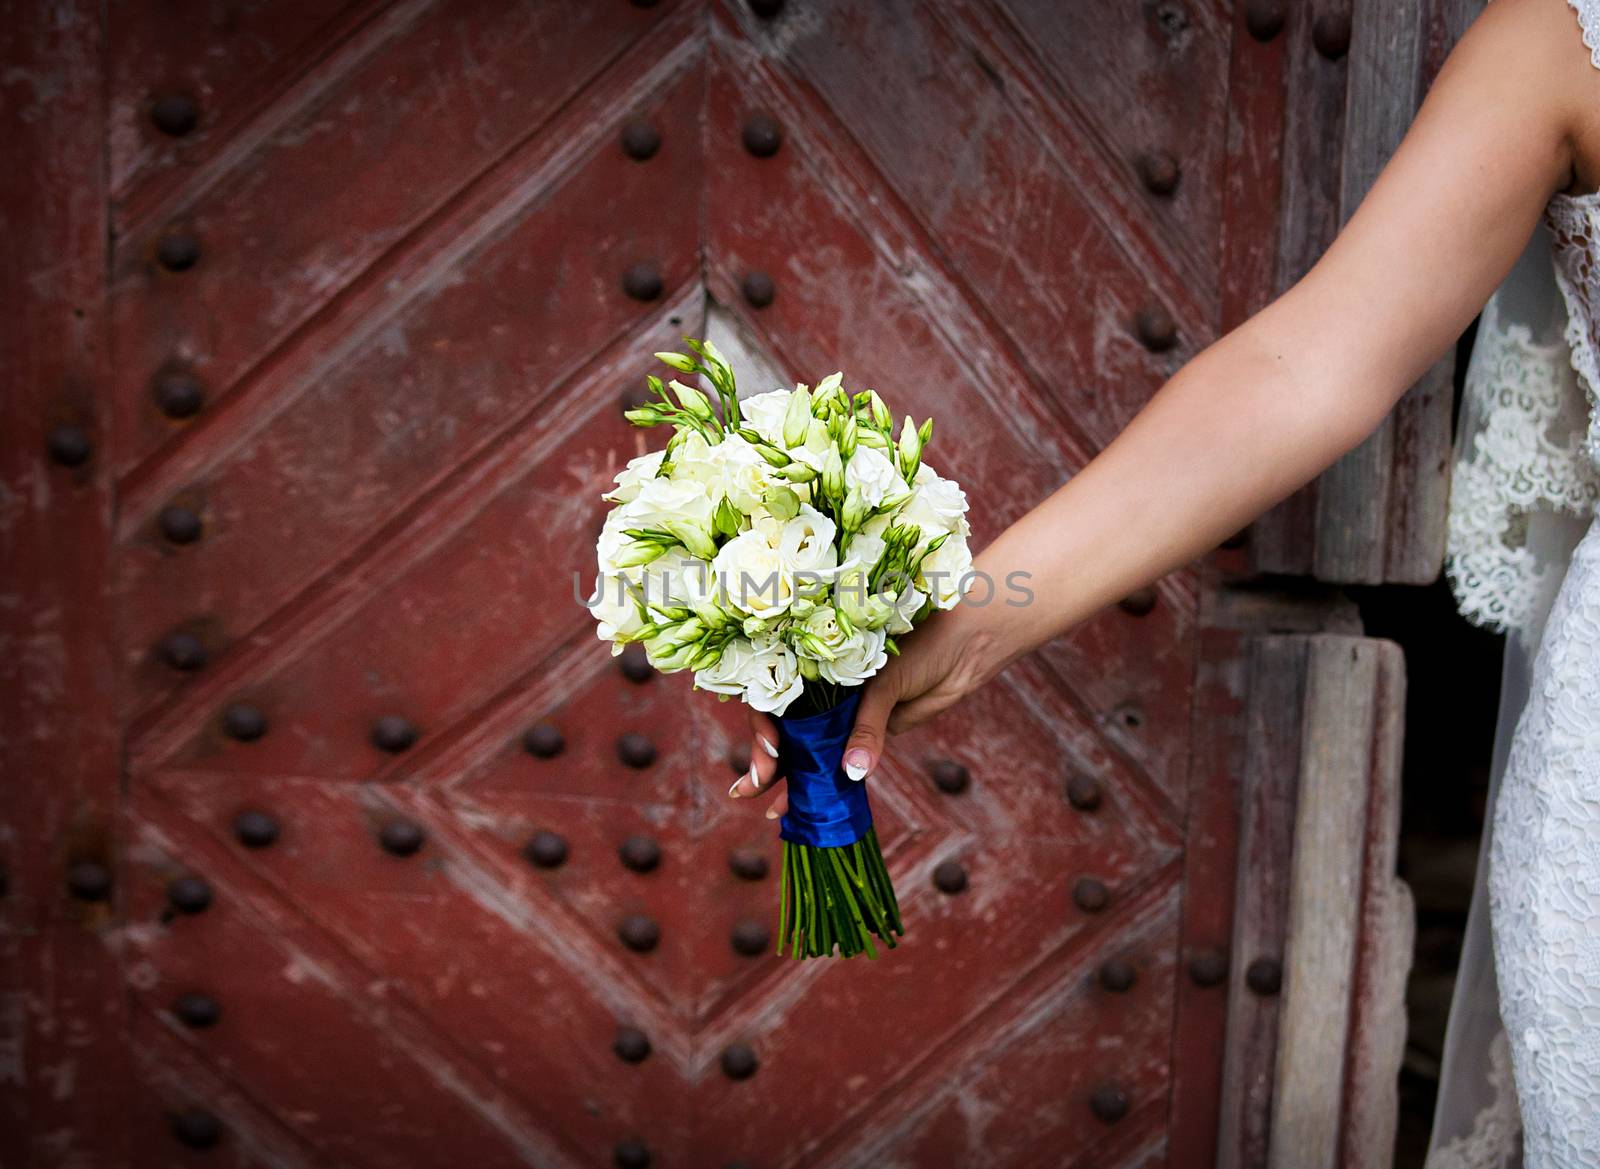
point(64, 1075)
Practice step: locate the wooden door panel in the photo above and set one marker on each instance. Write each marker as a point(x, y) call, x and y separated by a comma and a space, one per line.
point(368, 158)
point(438, 243)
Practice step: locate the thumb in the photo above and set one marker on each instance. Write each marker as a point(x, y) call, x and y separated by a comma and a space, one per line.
point(866, 741)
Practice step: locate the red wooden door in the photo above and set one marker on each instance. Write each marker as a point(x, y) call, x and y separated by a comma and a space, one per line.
point(360, 291)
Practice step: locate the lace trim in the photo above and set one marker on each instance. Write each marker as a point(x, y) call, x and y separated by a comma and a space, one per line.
point(1496, 1130)
point(1571, 224)
point(1589, 21)
point(1526, 456)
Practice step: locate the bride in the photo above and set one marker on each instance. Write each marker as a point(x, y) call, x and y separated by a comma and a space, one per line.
point(1506, 149)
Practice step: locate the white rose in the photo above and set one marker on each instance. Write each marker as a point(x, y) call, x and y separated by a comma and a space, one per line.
point(904, 607)
point(732, 672)
point(615, 608)
point(774, 679)
point(945, 571)
point(611, 542)
point(751, 575)
point(764, 413)
point(734, 469)
point(822, 624)
point(805, 546)
point(861, 656)
point(633, 476)
point(661, 500)
point(936, 505)
point(871, 471)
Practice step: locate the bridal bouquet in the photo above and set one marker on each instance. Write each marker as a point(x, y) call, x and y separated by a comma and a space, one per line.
point(777, 546)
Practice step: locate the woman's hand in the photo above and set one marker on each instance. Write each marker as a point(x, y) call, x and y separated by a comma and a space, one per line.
point(949, 656)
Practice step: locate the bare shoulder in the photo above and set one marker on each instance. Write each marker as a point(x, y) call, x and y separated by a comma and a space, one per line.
point(1532, 54)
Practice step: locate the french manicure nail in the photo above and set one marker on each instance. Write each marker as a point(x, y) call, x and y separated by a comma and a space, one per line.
point(767, 747)
point(733, 789)
point(856, 764)
point(772, 813)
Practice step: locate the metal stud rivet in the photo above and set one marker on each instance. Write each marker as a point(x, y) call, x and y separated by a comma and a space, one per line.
point(175, 114)
point(178, 251)
point(1090, 894)
point(189, 894)
point(1128, 716)
point(635, 750)
point(182, 650)
point(1083, 792)
point(1264, 18)
point(89, 881)
point(244, 722)
point(949, 776)
point(1117, 976)
point(639, 933)
point(750, 938)
point(1159, 172)
point(177, 393)
point(1155, 328)
point(950, 877)
point(632, 1154)
point(642, 282)
point(68, 446)
point(401, 837)
point(196, 1128)
point(1109, 1104)
point(197, 1010)
point(179, 524)
point(543, 741)
point(747, 864)
point(393, 734)
point(1208, 967)
point(640, 853)
point(762, 135)
point(635, 663)
point(739, 1061)
point(545, 849)
point(1264, 976)
point(255, 829)
point(1331, 34)
point(759, 291)
point(640, 140)
point(766, 9)
point(631, 1045)
point(1139, 602)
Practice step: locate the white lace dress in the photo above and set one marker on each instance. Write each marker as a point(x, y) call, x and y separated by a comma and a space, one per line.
point(1529, 455)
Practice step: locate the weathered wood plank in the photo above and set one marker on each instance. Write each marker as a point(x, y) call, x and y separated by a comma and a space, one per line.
point(1353, 499)
point(63, 1059)
point(1266, 834)
point(1378, 1010)
point(1324, 902)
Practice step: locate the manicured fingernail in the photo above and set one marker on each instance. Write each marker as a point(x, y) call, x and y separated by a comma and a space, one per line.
point(772, 813)
point(733, 790)
point(767, 747)
point(856, 763)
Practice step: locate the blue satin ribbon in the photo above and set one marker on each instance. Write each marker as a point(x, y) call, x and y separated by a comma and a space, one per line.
point(827, 809)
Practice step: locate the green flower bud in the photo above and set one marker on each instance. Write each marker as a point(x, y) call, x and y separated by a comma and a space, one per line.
point(797, 421)
point(693, 400)
point(643, 416)
point(855, 510)
point(848, 436)
point(880, 412)
point(641, 552)
point(797, 473)
point(925, 432)
point(808, 669)
point(782, 502)
point(677, 361)
point(910, 449)
point(833, 476)
point(693, 537)
point(726, 519)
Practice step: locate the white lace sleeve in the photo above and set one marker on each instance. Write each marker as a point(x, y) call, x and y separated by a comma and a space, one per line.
point(1589, 20)
point(1521, 445)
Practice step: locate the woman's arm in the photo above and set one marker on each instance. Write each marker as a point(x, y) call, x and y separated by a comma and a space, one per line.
point(1269, 406)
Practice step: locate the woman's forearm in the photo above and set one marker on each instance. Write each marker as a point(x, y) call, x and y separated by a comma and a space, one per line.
point(1236, 430)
